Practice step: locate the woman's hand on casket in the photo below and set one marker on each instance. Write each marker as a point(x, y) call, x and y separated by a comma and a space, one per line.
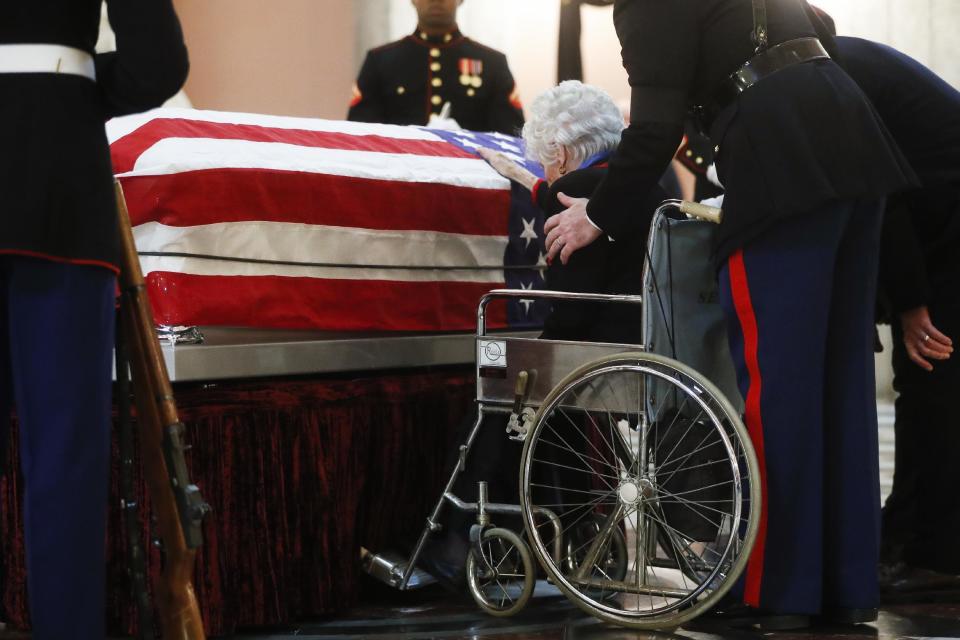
point(508, 168)
point(570, 229)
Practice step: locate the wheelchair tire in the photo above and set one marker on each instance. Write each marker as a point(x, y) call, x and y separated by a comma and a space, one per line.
point(502, 581)
point(676, 479)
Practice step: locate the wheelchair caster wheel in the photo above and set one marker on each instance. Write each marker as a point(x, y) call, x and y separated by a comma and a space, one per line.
point(501, 577)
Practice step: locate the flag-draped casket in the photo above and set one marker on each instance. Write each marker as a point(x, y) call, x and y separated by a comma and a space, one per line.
point(275, 222)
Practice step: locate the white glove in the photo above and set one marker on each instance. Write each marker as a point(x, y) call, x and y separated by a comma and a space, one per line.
point(716, 202)
point(712, 175)
point(443, 120)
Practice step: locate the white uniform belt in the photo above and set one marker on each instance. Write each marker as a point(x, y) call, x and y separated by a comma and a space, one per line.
point(46, 58)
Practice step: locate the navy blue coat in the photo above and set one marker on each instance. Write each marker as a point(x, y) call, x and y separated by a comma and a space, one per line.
point(919, 263)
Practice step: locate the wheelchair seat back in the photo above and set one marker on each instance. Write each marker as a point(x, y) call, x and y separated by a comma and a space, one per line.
point(682, 317)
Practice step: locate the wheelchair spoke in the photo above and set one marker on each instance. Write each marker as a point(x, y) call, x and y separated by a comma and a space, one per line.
point(586, 439)
point(550, 463)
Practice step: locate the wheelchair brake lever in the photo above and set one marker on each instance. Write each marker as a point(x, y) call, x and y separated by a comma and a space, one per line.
point(521, 417)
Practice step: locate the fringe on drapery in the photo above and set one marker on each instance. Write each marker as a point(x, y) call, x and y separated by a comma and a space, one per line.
point(299, 474)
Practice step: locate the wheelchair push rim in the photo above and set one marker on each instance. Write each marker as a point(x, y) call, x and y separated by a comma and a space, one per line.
point(675, 474)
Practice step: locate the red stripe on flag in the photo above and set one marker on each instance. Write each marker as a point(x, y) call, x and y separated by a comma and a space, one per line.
point(311, 303)
point(243, 195)
point(126, 150)
point(743, 304)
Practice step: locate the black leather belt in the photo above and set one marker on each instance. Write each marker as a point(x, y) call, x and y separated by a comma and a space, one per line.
point(763, 64)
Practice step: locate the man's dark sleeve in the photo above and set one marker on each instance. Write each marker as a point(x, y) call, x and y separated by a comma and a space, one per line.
point(150, 63)
point(660, 56)
point(903, 273)
point(367, 105)
point(505, 113)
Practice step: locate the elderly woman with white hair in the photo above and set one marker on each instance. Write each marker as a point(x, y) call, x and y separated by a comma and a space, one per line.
point(572, 129)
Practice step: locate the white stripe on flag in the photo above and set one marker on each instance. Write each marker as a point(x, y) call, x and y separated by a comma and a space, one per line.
point(177, 155)
point(292, 242)
point(119, 127)
point(200, 267)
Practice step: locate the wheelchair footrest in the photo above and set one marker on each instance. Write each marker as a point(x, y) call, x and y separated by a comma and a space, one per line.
point(389, 568)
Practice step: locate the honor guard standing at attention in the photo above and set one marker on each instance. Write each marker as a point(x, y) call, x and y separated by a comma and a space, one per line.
point(59, 252)
point(412, 80)
point(806, 164)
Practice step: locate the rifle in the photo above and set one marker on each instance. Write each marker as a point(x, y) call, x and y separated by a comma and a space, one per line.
point(177, 503)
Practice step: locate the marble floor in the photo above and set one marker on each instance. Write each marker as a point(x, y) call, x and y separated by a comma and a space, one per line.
point(442, 616)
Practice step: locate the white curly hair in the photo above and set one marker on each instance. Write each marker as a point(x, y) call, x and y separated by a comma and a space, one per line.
point(582, 118)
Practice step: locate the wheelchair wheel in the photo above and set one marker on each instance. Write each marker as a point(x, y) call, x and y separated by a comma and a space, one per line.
point(502, 577)
point(640, 447)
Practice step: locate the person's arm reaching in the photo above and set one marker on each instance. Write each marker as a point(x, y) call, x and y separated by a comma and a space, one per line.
point(660, 58)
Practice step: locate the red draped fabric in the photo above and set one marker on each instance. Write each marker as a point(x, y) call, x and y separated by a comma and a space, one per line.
point(299, 474)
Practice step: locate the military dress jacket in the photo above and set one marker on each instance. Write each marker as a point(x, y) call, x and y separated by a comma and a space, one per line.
point(404, 82)
point(789, 144)
point(55, 171)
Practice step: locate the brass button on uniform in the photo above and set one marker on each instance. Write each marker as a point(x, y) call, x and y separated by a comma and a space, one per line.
point(436, 82)
point(435, 53)
point(447, 38)
point(471, 92)
point(401, 90)
point(436, 99)
point(699, 160)
point(435, 66)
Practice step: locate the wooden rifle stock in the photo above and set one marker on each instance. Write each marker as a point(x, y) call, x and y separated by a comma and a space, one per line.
point(177, 504)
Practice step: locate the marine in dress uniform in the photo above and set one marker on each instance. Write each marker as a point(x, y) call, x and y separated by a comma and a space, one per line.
point(806, 164)
point(407, 81)
point(696, 155)
point(920, 272)
point(59, 256)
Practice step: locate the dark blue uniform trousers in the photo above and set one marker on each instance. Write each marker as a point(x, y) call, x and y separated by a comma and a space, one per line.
point(57, 323)
point(800, 302)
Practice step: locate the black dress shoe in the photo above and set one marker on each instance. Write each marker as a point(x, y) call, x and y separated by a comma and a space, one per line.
point(741, 616)
point(848, 616)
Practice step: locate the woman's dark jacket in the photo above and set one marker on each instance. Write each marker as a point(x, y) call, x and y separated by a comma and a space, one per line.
point(605, 266)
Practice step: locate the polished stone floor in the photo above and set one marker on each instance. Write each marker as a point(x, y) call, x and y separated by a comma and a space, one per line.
point(442, 617)
point(435, 614)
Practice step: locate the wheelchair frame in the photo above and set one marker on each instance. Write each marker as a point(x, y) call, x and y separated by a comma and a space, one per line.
point(527, 379)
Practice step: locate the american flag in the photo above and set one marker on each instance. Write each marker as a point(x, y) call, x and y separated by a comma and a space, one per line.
point(277, 222)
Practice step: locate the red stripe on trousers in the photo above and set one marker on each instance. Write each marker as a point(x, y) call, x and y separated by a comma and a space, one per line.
point(82, 262)
point(239, 195)
point(126, 150)
point(743, 304)
point(313, 303)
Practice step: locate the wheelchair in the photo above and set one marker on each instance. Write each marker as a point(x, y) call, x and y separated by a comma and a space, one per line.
point(638, 482)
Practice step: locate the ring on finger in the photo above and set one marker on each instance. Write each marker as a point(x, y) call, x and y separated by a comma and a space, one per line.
point(926, 337)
